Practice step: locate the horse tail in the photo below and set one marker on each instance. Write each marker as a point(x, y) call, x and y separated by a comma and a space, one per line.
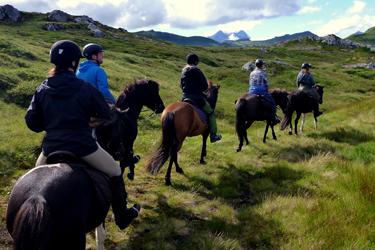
point(240, 117)
point(288, 112)
point(163, 152)
point(32, 225)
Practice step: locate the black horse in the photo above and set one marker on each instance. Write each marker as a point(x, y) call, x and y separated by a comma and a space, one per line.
point(180, 120)
point(144, 92)
point(300, 102)
point(53, 206)
point(249, 108)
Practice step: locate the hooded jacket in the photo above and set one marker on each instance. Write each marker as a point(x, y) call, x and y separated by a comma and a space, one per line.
point(193, 83)
point(92, 72)
point(62, 106)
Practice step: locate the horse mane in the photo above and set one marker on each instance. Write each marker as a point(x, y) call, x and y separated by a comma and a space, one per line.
point(277, 91)
point(129, 87)
point(100, 122)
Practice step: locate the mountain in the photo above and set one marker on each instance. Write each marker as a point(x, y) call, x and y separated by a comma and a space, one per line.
point(368, 37)
point(182, 40)
point(220, 36)
point(358, 33)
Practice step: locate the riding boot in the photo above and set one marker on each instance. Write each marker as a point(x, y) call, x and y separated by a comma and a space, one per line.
point(317, 112)
point(123, 215)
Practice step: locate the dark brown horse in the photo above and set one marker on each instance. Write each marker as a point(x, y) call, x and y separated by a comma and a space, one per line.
point(180, 120)
point(302, 103)
point(249, 108)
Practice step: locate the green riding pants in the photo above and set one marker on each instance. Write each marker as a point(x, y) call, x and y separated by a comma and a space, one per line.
point(212, 126)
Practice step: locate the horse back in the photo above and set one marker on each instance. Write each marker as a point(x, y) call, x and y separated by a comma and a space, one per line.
point(300, 101)
point(252, 109)
point(186, 119)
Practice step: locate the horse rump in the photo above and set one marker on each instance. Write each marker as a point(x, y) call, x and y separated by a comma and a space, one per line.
point(32, 225)
point(161, 155)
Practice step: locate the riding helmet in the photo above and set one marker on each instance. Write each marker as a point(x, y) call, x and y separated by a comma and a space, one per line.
point(306, 65)
point(92, 48)
point(192, 58)
point(64, 51)
point(259, 63)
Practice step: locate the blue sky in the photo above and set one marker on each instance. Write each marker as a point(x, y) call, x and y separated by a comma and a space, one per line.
point(259, 19)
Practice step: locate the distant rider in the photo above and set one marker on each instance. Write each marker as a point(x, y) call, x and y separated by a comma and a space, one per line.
point(306, 83)
point(193, 83)
point(259, 85)
point(62, 106)
point(91, 71)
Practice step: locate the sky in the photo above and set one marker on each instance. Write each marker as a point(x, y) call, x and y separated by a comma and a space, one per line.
point(261, 20)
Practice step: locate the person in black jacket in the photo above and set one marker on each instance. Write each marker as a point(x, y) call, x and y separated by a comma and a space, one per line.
point(193, 83)
point(62, 106)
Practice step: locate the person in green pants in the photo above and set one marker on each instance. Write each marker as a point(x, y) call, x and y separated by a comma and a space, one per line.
point(193, 83)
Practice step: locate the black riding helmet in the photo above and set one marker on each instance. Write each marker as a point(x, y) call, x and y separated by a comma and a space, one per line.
point(306, 65)
point(259, 63)
point(92, 48)
point(192, 58)
point(64, 52)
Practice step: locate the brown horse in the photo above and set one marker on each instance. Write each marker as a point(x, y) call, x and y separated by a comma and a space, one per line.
point(249, 109)
point(302, 103)
point(180, 120)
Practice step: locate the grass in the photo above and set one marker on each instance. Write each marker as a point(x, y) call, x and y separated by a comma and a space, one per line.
point(311, 191)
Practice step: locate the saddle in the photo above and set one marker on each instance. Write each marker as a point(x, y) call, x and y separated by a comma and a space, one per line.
point(99, 180)
point(201, 113)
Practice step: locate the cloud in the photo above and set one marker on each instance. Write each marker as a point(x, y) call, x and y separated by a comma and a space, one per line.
point(358, 7)
point(311, 1)
point(343, 25)
point(309, 9)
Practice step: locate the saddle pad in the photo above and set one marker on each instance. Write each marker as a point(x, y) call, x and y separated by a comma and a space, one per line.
point(201, 114)
point(101, 183)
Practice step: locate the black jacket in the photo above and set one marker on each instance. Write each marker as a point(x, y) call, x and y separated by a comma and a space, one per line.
point(193, 83)
point(62, 106)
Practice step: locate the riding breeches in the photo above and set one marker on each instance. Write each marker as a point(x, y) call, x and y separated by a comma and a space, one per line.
point(310, 91)
point(212, 125)
point(99, 160)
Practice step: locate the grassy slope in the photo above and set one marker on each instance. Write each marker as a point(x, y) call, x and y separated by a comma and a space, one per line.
point(368, 37)
point(313, 191)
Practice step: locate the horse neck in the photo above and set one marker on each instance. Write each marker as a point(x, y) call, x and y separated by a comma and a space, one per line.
point(132, 101)
point(212, 101)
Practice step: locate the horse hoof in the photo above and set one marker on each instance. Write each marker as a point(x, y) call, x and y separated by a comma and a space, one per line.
point(238, 150)
point(203, 162)
point(290, 133)
point(179, 170)
point(130, 175)
point(275, 138)
point(168, 183)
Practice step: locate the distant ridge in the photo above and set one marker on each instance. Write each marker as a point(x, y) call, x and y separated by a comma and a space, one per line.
point(368, 37)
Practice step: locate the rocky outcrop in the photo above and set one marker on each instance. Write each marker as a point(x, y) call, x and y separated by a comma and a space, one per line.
point(9, 12)
point(250, 66)
point(333, 40)
point(263, 50)
point(371, 66)
point(123, 30)
point(96, 30)
point(83, 19)
point(55, 27)
point(59, 16)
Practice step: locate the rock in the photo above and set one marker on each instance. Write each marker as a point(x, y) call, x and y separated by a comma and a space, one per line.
point(55, 27)
point(371, 66)
point(123, 30)
point(250, 66)
point(333, 40)
point(83, 19)
point(97, 31)
point(59, 16)
point(307, 38)
point(114, 35)
point(263, 50)
point(8, 11)
point(358, 65)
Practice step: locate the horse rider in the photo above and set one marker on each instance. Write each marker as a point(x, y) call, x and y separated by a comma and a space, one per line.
point(259, 85)
point(62, 106)
point(193, 83)
point(306, 83)
point(91, 71)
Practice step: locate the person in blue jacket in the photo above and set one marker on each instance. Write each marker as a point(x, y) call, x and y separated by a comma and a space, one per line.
point(259, 85)
point(62, 106)
point(91, 71)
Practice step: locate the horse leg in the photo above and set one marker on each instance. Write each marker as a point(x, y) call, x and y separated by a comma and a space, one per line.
point(204, 147)
point(245, 137)
point(100, 237)
point(303, 122)
point(315, 123)
point(131, 173)
point(296, 123)
point(266, 131)
point(273, 133)
point(178, 169)
point(290, 127)
point(168, 174)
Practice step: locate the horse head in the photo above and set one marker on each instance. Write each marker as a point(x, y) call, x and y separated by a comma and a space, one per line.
point(319, 89)
point(212, 94)
point(280, 96)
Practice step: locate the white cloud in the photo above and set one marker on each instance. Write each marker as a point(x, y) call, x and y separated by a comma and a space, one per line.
point(358, 7)
point(311, 1)
point(309, 9)
point(238, 25)
point(342, 26)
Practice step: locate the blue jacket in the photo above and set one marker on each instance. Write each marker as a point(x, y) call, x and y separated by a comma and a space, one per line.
point(92, 72)
point(259, 90)
point(62, 106)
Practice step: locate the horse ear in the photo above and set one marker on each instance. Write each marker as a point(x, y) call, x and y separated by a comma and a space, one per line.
point(235, 102)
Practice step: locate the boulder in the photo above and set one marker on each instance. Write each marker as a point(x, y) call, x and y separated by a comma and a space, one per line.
point(250, 66)
point(55, 27)
point(263, 50)
point(113, 35)
point(371, 66)
point(333, 40)
point(123, 30)
point(59, 16)
point(83, 19)
point(8, 11)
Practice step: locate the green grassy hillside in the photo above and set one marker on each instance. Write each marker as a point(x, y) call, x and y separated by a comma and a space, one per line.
point(312, 191)
point(368, 37)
